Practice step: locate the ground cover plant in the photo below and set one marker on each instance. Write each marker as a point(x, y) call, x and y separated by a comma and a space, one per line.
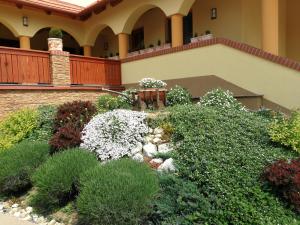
point(114, 134)
point(286, 131)
point(224, 153)
point(109, 102)
point(57, 180)
point(19, 163)
point(16, 127)
point(69, 122)
point(117, 193)
point(283, 178)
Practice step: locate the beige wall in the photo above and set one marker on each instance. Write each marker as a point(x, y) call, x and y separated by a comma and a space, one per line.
point(154, 24)
point(277, 83)
point(108, 38)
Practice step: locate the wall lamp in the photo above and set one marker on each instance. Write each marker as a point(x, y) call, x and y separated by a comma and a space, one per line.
point(213, 13)
point(25, 21)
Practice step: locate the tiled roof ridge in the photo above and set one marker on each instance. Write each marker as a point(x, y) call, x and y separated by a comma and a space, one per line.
point(284, 61)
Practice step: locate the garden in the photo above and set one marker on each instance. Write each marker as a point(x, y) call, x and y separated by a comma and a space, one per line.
point(208, 162)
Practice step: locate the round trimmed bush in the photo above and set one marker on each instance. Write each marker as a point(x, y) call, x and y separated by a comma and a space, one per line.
point(57, 179)
point(178, 96)
point(19, 163)
point(120, 192)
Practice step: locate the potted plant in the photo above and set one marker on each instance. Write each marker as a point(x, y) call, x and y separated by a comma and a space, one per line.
point(208, 35)
point(152, 90)
point(55, 42)
point(195, 38)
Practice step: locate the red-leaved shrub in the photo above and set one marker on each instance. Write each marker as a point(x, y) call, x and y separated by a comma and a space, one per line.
point(284, 178)
point(76, 114)
point(68, 124)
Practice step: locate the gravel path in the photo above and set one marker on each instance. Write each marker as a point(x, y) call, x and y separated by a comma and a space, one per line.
point(11, 220)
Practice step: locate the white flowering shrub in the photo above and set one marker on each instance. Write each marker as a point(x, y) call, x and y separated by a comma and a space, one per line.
point(152, 83)
point(113, 134)
point(222, 99)
point(178, 96)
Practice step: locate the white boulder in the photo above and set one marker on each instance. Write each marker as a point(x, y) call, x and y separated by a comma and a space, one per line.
point(138, 157)
point(156, 140)
point(150, 150)
point(167, 166)
point(158, 161)
point(158, 130)
point(165, 148)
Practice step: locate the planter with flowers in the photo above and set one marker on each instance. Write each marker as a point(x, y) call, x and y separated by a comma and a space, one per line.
point(152, 92)
point(55, 42)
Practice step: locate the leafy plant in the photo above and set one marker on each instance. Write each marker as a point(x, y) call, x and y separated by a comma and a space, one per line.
point(284, 178)
point(45, 124)
point(57, 180)
point(178, 96)
point(18, 164)
point(221, 99)
point(224, 153)
point(108, 102)
point(286, 131)
point(118, 193)
point(55, 33)
point(16, 127)
point(113, 134)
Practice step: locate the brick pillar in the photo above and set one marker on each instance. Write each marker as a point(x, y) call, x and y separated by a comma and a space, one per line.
point(60, 68)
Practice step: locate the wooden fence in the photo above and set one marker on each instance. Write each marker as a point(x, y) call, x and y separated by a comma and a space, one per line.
point(24, 66)
point(95, 71)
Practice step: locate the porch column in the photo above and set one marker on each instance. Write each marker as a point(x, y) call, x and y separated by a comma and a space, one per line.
point(177, 30)
point(87, 50)
point(123, 45)
point(24, 42)
point(270, 26)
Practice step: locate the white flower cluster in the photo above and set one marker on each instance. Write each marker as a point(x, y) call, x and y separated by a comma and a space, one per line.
point(152, 83)
point(113, 134)
point(222, 99)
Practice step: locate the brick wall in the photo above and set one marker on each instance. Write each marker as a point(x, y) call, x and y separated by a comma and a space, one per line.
point(12, 100)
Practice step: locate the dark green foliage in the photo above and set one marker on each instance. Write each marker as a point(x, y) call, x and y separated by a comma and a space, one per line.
point(118, 193)
point(45, 126)
point(57, 179)
point(18, 164)
point(224, 152)
point(178, 96)
point(55, 33)
point(109, 102)
point(179, 202)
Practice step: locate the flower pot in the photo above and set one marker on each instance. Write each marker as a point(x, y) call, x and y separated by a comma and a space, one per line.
point(55, 44)
point(131, 54)
point(150, 94)
point(201, 38)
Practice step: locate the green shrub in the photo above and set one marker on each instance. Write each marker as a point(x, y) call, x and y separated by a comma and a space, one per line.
point(19, 163)
point(179, 96)
point(108, 102)
point(45, 126)
point(16, 127)
point(224, 152)
point(55, 33)
point(221, 99)
point(179, 202)
point(57, 179)
point(286, 131)
point(120, 192)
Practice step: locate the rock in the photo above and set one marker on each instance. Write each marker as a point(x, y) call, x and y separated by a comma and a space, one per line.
point(29, 209)
point(27, 218)
point(40, 220)
point(52, 222)
point(158, 136)
point(156, 140)
point(15, 206)
point(137, 149)
point(150, 150)
point(167, 166)
point(158, 130)
point(138, 157)
point(158, 161)
point(148, 139)
point(164, 148)
point(1, 207)
point(35, 218)
point(150, 130)
point(17, 214)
